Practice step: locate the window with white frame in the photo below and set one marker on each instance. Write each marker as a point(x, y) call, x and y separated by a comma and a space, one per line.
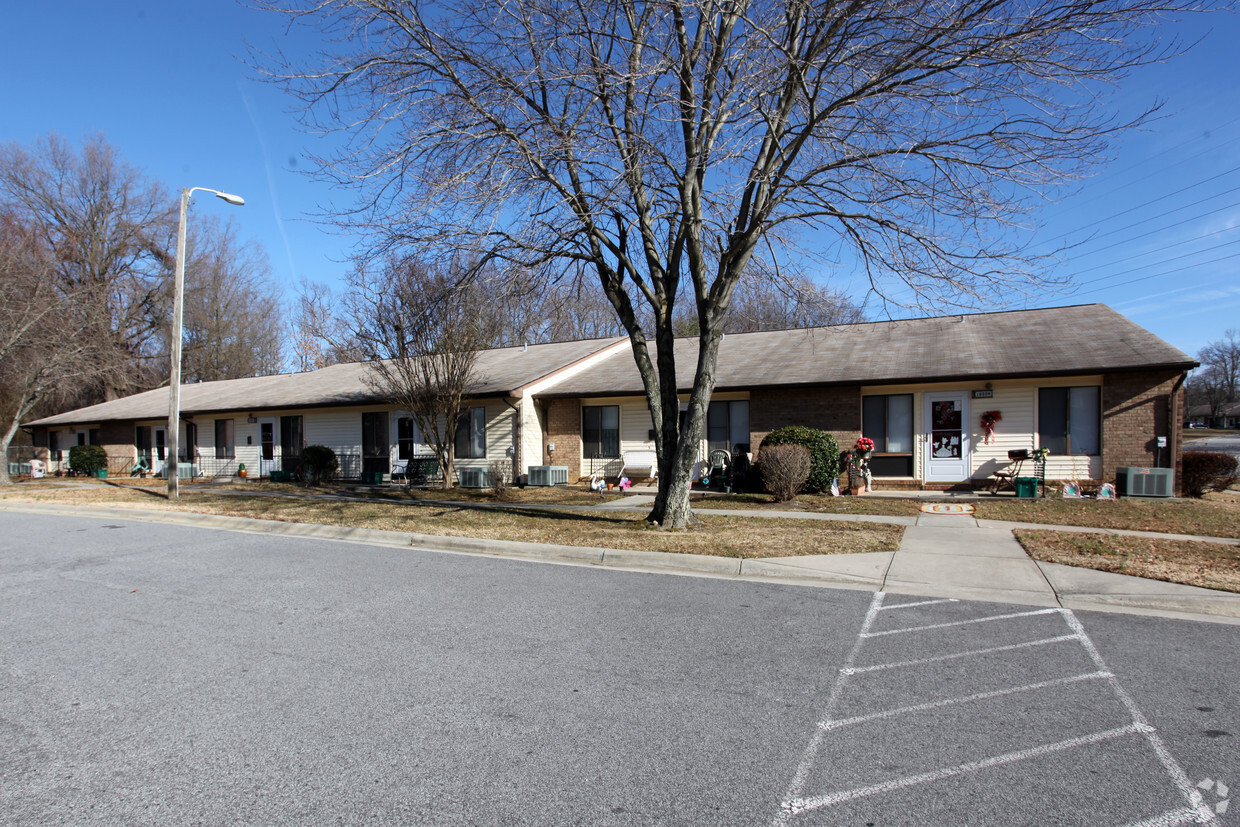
point(406, 437)
point(225, 442)
point(471, 434)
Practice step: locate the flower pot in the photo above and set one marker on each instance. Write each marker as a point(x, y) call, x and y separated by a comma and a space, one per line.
point(610, 486)
point(241, 473)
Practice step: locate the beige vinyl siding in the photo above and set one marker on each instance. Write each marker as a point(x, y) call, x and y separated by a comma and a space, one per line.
point(499, 424)
point(1017, 400)
point(338, 428)
point(1013, 433)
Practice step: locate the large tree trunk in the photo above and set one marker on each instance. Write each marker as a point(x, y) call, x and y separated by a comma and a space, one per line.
point(679, 452)
point(23, 407)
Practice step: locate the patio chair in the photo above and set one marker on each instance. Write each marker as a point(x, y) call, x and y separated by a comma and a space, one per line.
point(718, 474)
point(1006, 479)
point(400, 468)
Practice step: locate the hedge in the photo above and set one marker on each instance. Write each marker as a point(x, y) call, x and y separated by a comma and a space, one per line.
point(824, 454)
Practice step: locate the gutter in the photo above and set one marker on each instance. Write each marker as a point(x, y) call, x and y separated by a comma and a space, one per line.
point(1174, 424)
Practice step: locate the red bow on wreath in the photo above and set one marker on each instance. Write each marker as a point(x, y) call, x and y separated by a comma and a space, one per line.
point(988, 424)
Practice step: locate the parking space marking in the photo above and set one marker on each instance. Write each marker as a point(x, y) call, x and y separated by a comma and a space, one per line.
point(1173, 768)
point(958, 623)
point(1171, 819)
point(795, 802)
point(980, 696)
point(918, 603)
point(856, 670)
point(818, 802)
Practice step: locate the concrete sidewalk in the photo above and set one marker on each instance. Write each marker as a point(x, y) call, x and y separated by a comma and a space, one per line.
point(940, 555)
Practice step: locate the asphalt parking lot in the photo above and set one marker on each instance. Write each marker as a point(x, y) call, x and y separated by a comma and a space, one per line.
point(157, 674)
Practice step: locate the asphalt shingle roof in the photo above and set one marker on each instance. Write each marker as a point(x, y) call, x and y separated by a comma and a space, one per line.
point(496, 373)
point(1090, 338)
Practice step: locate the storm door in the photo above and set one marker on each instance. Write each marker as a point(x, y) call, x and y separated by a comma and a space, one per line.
point(947, 446)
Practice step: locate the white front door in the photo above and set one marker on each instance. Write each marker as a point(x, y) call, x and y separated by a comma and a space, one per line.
point(268, 452)
point(947, 449)
point(160, 454)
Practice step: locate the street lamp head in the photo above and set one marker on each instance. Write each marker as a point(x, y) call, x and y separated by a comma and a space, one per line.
point(235, 200)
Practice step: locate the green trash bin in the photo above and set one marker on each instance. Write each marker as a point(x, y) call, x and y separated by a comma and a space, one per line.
point(1027, 487)
point(279, 476)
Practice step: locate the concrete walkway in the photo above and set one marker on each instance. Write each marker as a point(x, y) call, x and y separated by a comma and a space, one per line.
point(955, 556)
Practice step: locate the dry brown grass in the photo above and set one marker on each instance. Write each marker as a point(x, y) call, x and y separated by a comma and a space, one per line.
point(1215, 515)
point(815, 503)
point(718, 535)
point(1193, 563)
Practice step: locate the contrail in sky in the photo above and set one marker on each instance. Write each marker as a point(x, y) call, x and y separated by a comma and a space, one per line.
point(271, 182)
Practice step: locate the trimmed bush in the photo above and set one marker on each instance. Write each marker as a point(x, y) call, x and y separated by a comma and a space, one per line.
point(1204, 470)
point(784, 469)
point(500, 472)
point(824, 454)
point(318, 463)
point(87, 459)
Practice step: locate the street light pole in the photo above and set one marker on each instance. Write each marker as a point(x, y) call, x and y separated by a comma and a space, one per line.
point(174, 380)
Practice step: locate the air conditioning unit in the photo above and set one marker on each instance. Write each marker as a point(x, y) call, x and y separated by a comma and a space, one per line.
point(474, 478)
point(548, 475)
point(1144, 482)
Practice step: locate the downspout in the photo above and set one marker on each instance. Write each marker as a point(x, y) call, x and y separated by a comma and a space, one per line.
point(516, 439)
point(1174, 423)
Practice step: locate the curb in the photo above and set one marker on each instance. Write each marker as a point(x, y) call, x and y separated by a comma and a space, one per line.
point(1223, 608)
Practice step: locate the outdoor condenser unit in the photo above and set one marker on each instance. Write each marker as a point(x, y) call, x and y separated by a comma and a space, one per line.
point(473, 478)
point(548, 475)
point(1144, 482)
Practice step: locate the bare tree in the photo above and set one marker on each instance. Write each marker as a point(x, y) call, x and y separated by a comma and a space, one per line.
point(317, 327)
point(767, 302)
point(670, 143)
point(419, 326)
point(109, 229)
point(41, 354)
point(1218, 379)
point(234, 321)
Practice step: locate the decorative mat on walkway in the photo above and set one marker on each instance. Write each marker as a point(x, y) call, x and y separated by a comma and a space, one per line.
point(946, 508)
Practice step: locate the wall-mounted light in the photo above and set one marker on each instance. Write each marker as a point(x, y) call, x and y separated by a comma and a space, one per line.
point(251, 419)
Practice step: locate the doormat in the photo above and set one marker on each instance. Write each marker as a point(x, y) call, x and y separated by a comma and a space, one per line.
point(946, 508)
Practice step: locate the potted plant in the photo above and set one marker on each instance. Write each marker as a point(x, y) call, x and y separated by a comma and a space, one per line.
point(241, 470)
point(858, 464)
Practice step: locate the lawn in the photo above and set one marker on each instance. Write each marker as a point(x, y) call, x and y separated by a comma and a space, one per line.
point(1209, 565)
point(1216, 515)
point(718, 535)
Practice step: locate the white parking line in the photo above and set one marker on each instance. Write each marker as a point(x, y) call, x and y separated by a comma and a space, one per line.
point(980, 696)
point(959, 623)
point(818, 802)
point(856, 670)
point(1205, 814)
point(918, 603)
point(795, 802)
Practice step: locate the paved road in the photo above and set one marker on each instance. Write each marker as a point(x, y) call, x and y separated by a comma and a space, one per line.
point(1220, 444)
point(154, 674)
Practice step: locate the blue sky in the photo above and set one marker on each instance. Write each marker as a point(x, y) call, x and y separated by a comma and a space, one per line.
point(1156, 233)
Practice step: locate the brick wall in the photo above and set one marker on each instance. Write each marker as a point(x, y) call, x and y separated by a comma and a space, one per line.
point(1134, 414)
point(117, 439)
point(835, 410)
point(563, 427)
